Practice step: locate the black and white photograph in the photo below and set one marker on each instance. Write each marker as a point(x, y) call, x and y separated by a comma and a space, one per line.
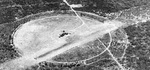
point(74, 34)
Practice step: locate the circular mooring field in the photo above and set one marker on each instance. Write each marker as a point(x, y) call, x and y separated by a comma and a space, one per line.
point(59, 37)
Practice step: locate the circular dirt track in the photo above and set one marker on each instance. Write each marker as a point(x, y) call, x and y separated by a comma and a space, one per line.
point(47, 35)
